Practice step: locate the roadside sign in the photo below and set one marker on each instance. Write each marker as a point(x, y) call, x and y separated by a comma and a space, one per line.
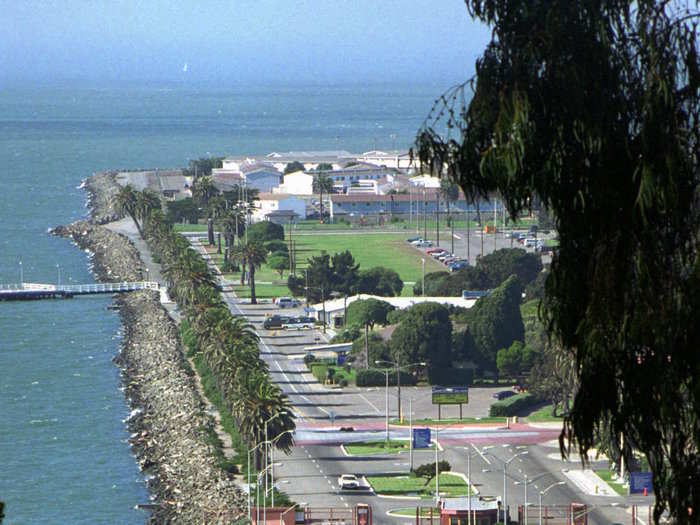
point(421, 438)
point(342, 356)
point(450, 395)
point(641, 482)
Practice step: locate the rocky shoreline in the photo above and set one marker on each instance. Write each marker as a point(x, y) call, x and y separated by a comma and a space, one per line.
point(168, 422)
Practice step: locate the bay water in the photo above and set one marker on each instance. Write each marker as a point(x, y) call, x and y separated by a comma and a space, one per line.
point(64, 452)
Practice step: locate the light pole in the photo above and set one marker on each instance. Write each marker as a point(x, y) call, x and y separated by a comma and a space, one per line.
point(437, 469)
point(526, 481)
point(505, 474)
point(21, 275)
point(470, 452)
point(257, 492)
point(543, 492)
point(267, 443)
point(249, 494)
point(272, 459)
point(386, 402)
point(423, 285)
point(398, 369)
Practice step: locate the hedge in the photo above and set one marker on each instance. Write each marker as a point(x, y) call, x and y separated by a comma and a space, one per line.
point(374, 377)
point(512, 405)
point(451, 376)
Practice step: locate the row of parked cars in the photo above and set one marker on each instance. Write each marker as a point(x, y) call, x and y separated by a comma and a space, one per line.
point(283, 322)
point(450, 260)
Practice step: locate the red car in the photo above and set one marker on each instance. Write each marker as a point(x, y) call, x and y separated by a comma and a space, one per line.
point(434, 250)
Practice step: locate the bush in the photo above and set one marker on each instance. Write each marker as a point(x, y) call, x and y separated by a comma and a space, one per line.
point(265, 231)
point(451, 376)
point(512, 406)
point(427, 470)
point(308, 359)
point(348, 335)
point(374, 377)
point(320, 371)
point(276, 246)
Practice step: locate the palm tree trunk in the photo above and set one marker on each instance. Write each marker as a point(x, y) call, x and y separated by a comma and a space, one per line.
point(251, 271)
point(136, 222)
point(242, 272)
point(320, 202)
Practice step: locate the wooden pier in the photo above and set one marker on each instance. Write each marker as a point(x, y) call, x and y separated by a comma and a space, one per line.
point(33, 291)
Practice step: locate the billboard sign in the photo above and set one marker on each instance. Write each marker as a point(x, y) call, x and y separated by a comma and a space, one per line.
point(421, 438)
point(639, 481)
point(450, 395)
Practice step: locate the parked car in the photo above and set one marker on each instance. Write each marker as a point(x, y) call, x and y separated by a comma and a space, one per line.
point(416, 241)
point(449, 260)
point(438, 253)
point(299, 323)
point(413, 239)
point(424, 244)
point(503, 394)
point(288, 302)
point(458, 265)
point(444, 256)
point(274, 321)
point(530, 242)
point(434, 250)
point(348, 481)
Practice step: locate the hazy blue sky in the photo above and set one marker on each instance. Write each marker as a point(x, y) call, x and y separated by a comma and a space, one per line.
point(238, 41)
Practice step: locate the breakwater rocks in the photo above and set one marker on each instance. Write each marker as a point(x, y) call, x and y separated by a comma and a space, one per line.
point(168, 422)
point(114, 256)
point(169, 426)
point(101, 189)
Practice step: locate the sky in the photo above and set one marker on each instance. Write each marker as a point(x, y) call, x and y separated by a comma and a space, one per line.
point(237, 42)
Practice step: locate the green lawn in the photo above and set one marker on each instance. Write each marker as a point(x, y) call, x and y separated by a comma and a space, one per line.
point(607, 476)
point(410, 485)
point(369, 250)
point(530, 308)
point(411, 512)
point(320, 372)
point(190, 227)
point(371, 448)
point(543, 415)
point(451, 421)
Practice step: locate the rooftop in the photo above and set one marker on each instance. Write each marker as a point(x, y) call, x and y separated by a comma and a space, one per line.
point(396, 302)
point(463, 504)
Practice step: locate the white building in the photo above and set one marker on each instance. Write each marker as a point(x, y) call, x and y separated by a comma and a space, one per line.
point(270, 204)
point(335, 308)
point(297, 183)
point(390, 159)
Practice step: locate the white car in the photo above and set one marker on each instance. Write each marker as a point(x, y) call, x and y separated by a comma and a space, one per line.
point(348, 481)
point(287, 302)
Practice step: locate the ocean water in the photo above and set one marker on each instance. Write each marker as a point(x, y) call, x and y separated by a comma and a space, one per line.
point(64, 454)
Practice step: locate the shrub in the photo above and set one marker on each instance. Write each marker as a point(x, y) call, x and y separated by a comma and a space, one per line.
point(374, 377)
point(512, 406)
point(319, 371)
point(348, 335)
point(308, 359)
point(427, 470)
point(276, 246)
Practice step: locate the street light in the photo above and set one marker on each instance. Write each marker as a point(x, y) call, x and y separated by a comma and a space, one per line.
point(257, 494)
point(543, 492)
point(505, 487)
point(249, 452)
point(423, 284)
point(398, 369)
point(526, 482)
point(272, 458)
point(470, 453)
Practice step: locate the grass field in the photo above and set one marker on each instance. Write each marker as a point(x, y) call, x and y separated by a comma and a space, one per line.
point(372, 448)
point(369, 250)
point(607, 476)
point(450, 485)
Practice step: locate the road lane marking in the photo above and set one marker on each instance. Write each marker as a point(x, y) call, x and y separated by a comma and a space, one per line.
point(370, 403)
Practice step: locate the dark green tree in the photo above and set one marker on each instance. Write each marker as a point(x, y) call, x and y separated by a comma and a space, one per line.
point(367, 313)
point(293, 166)
point(345, 272)
point(495, 322)
point(265, 231)
point(593, 109)
point(515, 360)
point(501, 264)
point(278, 261)
point(379, 281)
point(375, 345)
point(424, 335)
point(184, 210)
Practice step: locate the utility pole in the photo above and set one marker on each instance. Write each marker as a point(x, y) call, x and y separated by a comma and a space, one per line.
point(495, 223)
point(423, 284)
point(425, 218)
point(437, 215)
point(469, 229)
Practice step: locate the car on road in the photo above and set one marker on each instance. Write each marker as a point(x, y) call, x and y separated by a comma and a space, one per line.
point(288, 302)
point(413, 239)
point(423, 244)
point(299, 323)
point(416, 241)
point(348, 481)
point(434, 250)
point(503, 394)
point(274, 322)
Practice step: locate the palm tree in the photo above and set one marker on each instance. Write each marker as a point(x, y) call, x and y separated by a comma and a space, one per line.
point(126, 202)
point(322, 183)
point(203, 189)
point(253, 254)
point(147, 202)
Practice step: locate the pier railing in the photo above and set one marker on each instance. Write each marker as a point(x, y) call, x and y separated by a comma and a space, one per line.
point(80, 289)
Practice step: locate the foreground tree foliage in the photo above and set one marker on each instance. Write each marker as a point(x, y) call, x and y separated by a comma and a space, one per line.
point(592, 108)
